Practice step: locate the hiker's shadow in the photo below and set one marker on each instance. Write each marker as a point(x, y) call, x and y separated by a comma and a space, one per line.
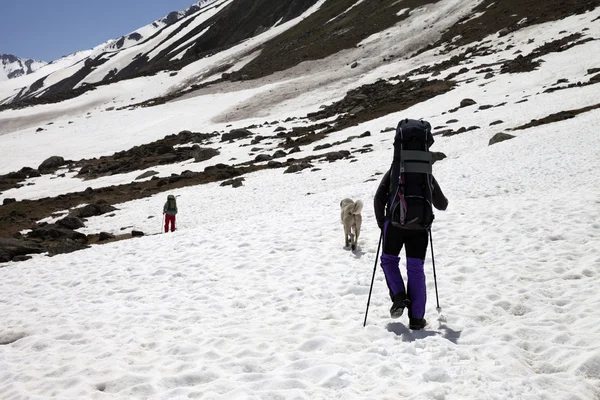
point(408, 335)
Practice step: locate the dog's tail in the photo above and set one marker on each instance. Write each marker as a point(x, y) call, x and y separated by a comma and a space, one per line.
point(358, 206)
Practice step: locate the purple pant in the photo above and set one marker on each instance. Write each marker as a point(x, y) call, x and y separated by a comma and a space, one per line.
point(416, 244)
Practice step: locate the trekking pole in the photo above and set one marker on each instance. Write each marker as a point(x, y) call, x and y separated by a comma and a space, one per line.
point(438, 308)
point(373, 279)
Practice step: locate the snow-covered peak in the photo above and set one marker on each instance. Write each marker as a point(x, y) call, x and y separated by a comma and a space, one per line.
point(146, 31)
point(12, 66)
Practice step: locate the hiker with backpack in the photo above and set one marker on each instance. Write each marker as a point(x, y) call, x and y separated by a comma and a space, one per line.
point(170, 211)
point(404, 214)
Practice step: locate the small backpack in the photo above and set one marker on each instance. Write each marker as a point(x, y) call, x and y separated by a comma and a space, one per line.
point(171, 203)
point(410, 200)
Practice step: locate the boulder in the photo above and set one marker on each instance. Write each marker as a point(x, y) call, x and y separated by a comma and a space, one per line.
point(53, 232)
point(500, 137)
point(467, 102)
point(64, 246)
point(71, 222)
point(92, 210)
point(11, 248)
point(204, 153)
point(105, 236)
point(235, 134)
point(51, 163)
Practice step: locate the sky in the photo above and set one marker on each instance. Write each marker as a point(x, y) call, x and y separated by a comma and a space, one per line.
point(47, 30)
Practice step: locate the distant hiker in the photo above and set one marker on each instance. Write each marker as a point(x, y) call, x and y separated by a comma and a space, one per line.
point(404, 214)
point(170, 211)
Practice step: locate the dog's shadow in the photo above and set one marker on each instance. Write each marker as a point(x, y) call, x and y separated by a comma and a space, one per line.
point(358, 253)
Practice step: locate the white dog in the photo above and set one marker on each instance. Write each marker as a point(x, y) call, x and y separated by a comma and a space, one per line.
point(352, 220)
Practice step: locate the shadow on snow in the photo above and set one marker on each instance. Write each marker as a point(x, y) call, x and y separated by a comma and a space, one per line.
point(408, 335)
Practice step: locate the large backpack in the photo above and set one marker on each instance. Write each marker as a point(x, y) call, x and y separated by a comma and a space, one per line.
point(410, 176)
point(171, 203)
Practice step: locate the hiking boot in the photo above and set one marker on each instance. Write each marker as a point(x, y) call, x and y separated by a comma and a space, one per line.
point(417, 323)
point(399, 303)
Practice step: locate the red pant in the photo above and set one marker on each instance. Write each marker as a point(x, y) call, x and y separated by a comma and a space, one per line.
point(169, 219)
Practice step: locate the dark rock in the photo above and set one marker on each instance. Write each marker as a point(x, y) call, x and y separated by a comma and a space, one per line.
point(146, 174)
point(39, 129)
point(204, 153)
point(235, 134)
point(105, 236)
point(21, 258)
point(337, 155)
point(71, 222)
point(8, 201)
point(92, 210)
point(257, 139)
point(451, 121)
point(17, 175)
point(297, 167)
point(496, 122)
point(467, 102)
point(262, 157)
point(52, 232)
point(64, 246)
point(171, 18)
point(164, 149)
point(279, 154)
point(279, 129)
point(489, 75)
point(485, 107)
point(437, 156)
point(51, 163)
point(11, 248)
point(135, 233)
point(88, 191)
point(322, 146)
point(236, 182)
point(500, 137)
point(274, 164)
point(354, 65)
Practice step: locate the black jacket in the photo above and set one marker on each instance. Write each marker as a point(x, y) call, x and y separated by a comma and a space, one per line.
point(382, 197)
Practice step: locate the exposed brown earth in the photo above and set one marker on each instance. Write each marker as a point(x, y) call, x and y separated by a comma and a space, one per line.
point(318, 36)
point(159, 152)
point(532, 61)
point(557, 117)
point(503, 17)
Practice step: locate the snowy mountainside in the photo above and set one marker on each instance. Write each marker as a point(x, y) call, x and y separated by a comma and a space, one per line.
point(254, 295)
point(147, 31)
point(13, 67)
point(205, 28)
